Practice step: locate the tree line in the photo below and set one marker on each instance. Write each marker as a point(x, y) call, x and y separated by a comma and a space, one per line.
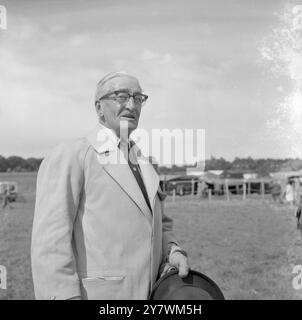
point(260, 166)
point(19, 164)
point(263, 165)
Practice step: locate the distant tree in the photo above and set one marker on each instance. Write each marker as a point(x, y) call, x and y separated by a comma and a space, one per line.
point(248, 164)
point(217, 164)
point(3, 164)
point(293, 164)
point(15, 163)
point(33, 163)
point(261, 166)
point(264, 167)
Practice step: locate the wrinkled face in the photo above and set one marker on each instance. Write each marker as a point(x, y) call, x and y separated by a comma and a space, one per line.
point(112, 113)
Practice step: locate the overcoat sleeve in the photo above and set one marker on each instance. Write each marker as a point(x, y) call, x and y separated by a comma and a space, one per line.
point(169, 238)
point(59, 187)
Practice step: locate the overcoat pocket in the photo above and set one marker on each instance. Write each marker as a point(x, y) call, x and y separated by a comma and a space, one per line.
point(101, 287)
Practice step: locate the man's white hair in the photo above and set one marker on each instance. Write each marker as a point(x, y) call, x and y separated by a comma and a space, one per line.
point(101, 89)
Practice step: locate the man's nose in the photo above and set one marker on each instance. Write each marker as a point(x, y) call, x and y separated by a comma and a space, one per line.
point(130, 104)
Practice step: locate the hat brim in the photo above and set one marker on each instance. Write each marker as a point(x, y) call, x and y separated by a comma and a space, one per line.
point(196, 286)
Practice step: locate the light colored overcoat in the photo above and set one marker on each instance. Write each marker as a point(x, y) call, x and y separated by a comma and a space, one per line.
point(93, 234)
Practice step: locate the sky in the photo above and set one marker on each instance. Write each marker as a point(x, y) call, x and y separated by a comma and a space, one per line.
point(224, 66)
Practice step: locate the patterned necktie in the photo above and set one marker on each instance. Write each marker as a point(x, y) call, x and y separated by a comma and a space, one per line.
point(135, 168)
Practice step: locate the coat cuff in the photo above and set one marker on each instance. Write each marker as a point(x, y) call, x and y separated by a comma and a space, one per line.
point(175, 248)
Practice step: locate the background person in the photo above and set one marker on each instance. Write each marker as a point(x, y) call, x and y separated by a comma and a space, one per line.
point(6, 199)
point(276, 191)
point(289, 193)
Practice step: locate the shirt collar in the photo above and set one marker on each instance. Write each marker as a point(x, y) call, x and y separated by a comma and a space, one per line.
point(110, 134)
point(107, 140)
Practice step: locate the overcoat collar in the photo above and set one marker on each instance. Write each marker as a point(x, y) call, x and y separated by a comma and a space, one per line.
point(105, 143)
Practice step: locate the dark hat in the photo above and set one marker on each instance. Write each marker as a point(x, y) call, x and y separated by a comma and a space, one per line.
point(196, 286)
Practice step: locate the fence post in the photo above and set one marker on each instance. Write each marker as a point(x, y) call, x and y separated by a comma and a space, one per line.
point(210, 194)
point(198, 189)
point(262, 189)
point(174, 194)
point(226, 184)
point(296, 191)
point(244, 190)
point(192, 187)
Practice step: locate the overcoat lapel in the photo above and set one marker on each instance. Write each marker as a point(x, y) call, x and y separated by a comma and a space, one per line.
point(124, 177)
point(114, 163)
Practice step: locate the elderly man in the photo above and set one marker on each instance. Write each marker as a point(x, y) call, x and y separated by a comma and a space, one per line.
point(99, 229)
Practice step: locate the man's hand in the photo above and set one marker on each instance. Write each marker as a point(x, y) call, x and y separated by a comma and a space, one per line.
point(180, 262)
point(177, 260)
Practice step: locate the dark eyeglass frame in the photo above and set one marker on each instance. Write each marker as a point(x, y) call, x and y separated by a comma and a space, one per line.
point(114, 96)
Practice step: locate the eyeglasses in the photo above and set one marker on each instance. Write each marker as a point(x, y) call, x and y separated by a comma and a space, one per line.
point(122, 97)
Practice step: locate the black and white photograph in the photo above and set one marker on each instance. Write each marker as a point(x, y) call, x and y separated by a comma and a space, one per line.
point(150, 150)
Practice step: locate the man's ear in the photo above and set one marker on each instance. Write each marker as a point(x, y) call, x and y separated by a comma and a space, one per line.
point(99, 110)
point(97, 105)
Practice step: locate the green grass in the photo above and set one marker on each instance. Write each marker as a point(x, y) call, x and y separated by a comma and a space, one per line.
point(247, 247)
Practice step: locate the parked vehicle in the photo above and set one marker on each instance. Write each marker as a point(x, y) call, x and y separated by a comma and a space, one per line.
point(182, 185)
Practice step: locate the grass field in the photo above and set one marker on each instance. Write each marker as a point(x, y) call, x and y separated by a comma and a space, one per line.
point(248, 247)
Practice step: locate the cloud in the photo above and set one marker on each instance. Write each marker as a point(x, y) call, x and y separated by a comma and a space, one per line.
point(197, 63)
point(79, 40)
point(148, 55)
